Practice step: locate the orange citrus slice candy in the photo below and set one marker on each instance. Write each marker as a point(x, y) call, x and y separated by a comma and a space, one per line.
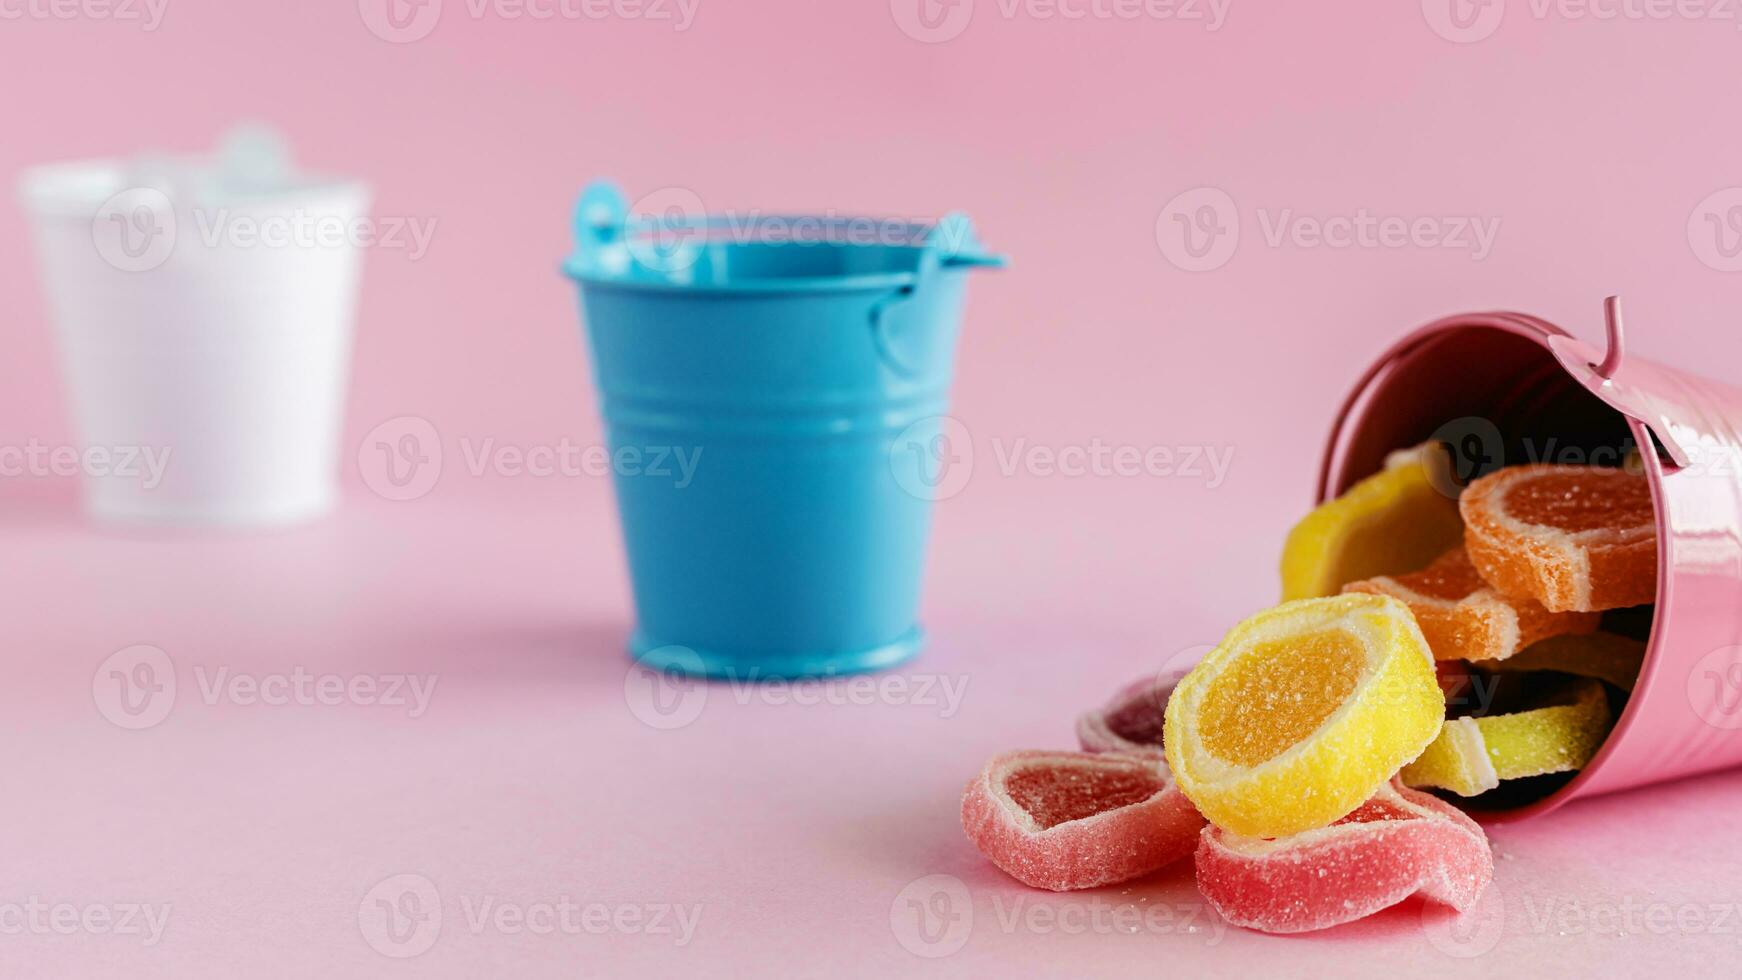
point(1396, 520)
point(1607, 657)
point(1464, 619)
point(1574, 538)
point(1473, 755)
point(1303, 712)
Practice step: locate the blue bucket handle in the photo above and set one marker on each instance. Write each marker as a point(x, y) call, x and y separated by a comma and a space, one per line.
point(950, 244)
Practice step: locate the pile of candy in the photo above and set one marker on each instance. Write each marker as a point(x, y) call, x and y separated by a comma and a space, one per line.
point(1459, 645)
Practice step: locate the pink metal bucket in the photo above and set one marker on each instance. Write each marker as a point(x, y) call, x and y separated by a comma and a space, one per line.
point(1523, 388)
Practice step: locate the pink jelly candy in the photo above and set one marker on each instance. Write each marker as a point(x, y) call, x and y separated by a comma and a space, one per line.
point(1397, 844)
point(1065, 820)
point(1132, 720)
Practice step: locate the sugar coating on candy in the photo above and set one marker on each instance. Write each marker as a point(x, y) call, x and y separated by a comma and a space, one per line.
point(1574, 538)
point(1397, 844)
point(1068, 820)
point(1132, 720)
point(1396, 520)
point(1607, 657)
point(1465, 619)
point(1473, 755)
point(1302, 712)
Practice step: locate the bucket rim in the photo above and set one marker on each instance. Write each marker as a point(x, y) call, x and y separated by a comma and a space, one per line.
point(77, 188)
point(607, 232)
point(1544, 333)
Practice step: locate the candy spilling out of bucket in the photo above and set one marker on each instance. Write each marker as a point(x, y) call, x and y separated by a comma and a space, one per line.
point(790, 362)
point(1581, 637)
point(204, 309)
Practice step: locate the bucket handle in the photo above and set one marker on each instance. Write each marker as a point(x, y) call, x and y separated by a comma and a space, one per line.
point(601, 219)
point(950, 244)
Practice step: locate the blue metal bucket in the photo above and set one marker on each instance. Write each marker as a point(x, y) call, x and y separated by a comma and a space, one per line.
point(782, 379)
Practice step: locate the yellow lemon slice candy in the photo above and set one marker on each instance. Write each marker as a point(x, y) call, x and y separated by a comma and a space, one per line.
point(1397, 520)
point(1303, 712)
point(1473, 755)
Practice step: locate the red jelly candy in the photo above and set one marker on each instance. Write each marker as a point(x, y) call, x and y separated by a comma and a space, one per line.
point(1066, 820)
point(1397, 844)
point(1132, 720)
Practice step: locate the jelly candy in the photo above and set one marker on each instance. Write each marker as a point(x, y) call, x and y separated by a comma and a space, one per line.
point(1464, 619)
point(1396, 520)
point(1607, 657)
point(1132, 720)
point(1397, 844)
point(1066, 820)
point(1574, 538)
point(1302, 712)
point(1473, 755)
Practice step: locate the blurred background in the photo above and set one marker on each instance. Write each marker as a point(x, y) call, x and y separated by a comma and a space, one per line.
point(1217, 215)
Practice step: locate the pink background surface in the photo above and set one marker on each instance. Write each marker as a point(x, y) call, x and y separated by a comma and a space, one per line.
point(796, 827)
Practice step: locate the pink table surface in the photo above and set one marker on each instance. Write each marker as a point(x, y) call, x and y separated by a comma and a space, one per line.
point(1600, 147)
point(540, 771)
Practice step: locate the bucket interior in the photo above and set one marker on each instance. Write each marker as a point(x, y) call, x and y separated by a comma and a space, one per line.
point(1494, 395)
